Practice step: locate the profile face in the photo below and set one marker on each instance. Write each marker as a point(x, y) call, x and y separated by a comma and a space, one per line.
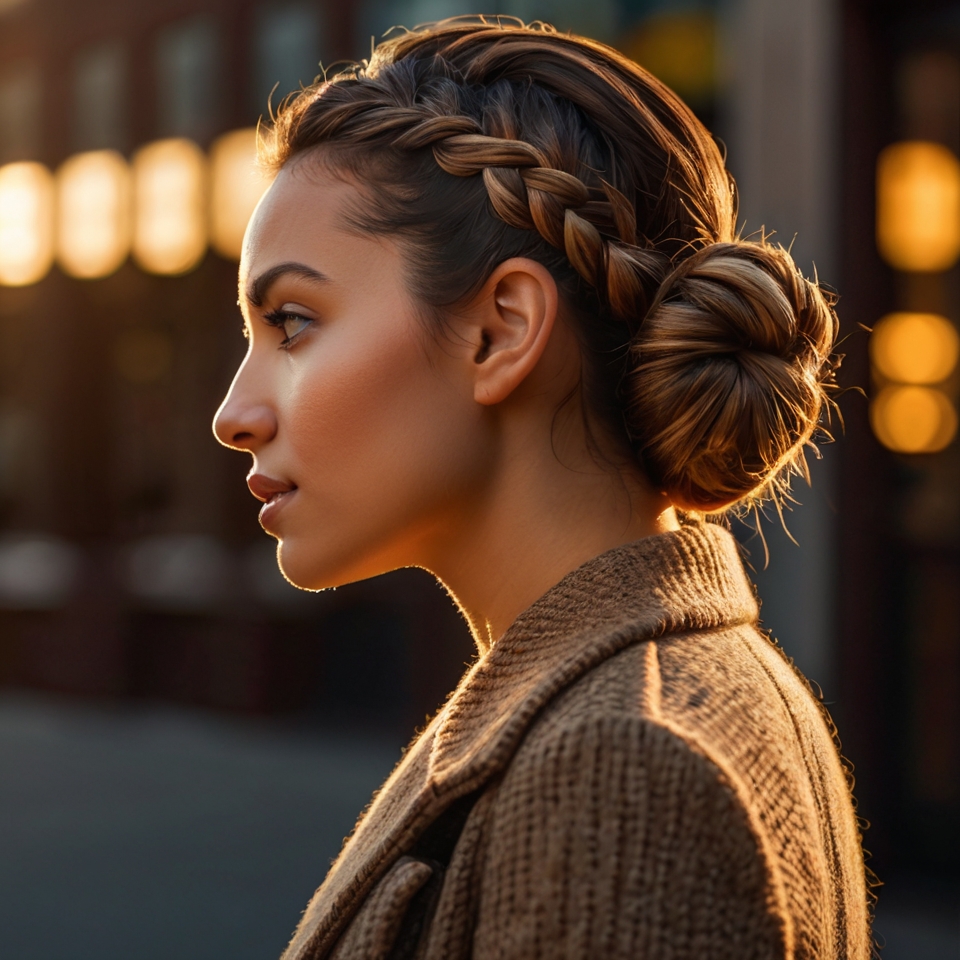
point(367, 443)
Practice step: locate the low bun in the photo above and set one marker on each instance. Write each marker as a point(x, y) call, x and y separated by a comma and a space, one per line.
point(729, 374)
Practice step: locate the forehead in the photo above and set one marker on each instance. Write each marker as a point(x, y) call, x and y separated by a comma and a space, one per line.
point(296, 214)
point(300, 219)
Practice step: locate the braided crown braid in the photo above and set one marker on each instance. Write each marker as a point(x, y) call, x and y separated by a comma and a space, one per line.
point(479, 141)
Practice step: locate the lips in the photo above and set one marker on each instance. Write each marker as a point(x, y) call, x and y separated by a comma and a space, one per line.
point(275, 494)
point(267, 489)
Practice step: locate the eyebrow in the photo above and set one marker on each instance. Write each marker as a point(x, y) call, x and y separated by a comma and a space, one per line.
point(258, 288)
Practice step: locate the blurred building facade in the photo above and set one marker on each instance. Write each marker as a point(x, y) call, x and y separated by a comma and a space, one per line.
point(898, 609)
point(131, 563)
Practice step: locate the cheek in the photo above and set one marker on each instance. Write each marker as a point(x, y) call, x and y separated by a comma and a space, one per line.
point(381, 424)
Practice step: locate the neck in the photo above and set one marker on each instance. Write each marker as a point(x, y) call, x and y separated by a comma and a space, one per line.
point(537, 521)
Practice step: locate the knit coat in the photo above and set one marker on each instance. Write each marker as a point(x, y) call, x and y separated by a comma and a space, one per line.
point(633, 770)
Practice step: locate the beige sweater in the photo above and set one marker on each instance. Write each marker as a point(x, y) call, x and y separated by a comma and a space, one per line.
point(646, 777)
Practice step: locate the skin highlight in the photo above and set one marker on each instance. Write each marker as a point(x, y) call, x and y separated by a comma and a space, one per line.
point(402, 446)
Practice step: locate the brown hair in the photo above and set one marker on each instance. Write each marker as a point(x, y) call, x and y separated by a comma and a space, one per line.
point(478, 141)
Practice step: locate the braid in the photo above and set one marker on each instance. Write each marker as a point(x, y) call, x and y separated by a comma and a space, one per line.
point(595, 227)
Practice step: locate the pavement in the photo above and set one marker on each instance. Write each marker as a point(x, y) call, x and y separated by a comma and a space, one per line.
point(151, 832)
point(157, 832)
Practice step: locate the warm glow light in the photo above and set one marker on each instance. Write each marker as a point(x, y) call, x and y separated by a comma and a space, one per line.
point(170, 215)
point(913, 419)
point(918, 206)
point(93, 213)
point(915, 347)
point(236, 186)
point(26, 223)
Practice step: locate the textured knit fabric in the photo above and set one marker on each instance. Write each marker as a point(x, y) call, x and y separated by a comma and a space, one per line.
point(649, 778)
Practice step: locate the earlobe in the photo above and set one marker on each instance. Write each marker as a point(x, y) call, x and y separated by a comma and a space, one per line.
point(517, 316)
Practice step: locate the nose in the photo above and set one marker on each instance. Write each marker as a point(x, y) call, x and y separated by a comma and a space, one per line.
point(243, 423)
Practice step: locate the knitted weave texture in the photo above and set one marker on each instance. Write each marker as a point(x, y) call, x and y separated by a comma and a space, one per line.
point(654, 780)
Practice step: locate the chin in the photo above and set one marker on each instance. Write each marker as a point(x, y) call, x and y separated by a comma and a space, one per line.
point(305, 572)
point(310, 569)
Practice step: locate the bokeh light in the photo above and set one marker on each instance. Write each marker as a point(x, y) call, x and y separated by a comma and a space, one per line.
point(93, 213)
point(236, 186)
point(918, 206)
point(170, 209)
point(26, 223)
point(910, 419)
point(917, 348)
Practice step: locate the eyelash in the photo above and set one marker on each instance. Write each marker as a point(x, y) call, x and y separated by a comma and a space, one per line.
point(277, 318)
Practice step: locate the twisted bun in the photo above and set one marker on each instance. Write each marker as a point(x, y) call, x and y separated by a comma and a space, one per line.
point(730, 373)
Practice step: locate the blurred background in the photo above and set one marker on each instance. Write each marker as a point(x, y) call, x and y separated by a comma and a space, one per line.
point(184, 738)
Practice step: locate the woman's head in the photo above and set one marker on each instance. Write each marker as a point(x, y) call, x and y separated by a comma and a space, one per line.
point(702, 359)
point(476, 143)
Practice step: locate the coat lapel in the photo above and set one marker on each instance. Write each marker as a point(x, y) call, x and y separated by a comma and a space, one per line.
point(691, 579)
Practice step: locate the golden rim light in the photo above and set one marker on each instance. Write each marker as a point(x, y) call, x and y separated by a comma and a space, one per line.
point(164, 208)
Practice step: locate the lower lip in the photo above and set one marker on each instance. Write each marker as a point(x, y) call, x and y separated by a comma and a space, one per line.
point(271, 510)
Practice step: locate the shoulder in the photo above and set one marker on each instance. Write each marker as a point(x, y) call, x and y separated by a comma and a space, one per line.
point(646, 727)
point(704, 753)
point(620, 822)
point(719, 692)
point(682, 677)
point(635, 739)
point(694, 733)
point(722, 705)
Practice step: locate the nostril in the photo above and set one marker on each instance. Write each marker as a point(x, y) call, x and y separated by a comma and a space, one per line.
point(242, 436)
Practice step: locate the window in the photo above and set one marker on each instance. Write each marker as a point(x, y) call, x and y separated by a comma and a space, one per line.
point(99, 94)
point(20, 121)
point(188, 79)
point(288, 50)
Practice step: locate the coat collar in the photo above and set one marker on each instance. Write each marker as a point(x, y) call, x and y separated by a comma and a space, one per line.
point(690, 579)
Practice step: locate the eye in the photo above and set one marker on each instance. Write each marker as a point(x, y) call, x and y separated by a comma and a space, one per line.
point(292, 324)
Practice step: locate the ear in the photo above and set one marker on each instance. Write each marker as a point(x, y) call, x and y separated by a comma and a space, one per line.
point(511, 320)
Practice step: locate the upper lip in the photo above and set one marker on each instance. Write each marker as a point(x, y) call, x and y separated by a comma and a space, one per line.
point(266, 488)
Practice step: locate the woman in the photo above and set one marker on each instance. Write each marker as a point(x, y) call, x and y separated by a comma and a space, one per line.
point(501, 328)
